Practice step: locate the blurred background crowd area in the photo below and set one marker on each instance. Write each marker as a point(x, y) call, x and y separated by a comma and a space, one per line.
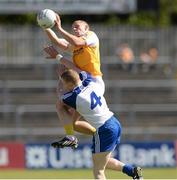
point(138, 44)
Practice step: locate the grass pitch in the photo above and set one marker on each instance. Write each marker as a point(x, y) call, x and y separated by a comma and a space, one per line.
point(158, 173)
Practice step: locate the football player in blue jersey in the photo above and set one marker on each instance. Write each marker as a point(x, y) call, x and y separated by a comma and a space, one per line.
point(64, 115)
point(86, 97)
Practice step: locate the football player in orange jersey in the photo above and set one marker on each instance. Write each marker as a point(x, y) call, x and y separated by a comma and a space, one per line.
point(84, 45)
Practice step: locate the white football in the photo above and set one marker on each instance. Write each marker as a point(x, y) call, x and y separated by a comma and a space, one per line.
point(46, 18)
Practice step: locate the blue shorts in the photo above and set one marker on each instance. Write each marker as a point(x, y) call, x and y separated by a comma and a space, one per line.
point(107, 137)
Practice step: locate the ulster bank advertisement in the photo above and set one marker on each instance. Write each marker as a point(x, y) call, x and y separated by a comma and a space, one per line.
point(41, 156)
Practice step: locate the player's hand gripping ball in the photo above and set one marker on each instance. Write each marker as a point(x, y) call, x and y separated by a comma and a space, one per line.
point(46, 18)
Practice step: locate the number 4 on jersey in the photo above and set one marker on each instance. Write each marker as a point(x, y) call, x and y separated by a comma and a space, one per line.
point(95, 100)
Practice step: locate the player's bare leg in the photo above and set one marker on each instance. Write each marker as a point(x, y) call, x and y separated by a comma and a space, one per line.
point(114, 164)
point(100, 161)
point(66, 121)
point(65, 117)
point(134, 172)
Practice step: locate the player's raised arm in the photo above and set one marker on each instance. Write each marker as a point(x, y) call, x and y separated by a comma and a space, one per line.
point(54, 54)
point(46, 20)
point(75, 40)
point(60, 42)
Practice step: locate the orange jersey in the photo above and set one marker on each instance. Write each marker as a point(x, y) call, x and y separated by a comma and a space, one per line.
point(87, 57)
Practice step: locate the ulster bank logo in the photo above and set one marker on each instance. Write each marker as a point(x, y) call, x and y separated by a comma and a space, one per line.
point(44, 156)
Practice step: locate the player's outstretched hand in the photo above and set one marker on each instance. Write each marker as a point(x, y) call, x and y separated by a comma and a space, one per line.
point(51, 52)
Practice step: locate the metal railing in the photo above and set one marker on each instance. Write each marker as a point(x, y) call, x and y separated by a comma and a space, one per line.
point(131, 110)
point(150, 83)
point(20, 110)
point(23, 44)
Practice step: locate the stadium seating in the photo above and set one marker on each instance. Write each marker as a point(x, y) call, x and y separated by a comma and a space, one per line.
point(144, 101)
point(145, 106)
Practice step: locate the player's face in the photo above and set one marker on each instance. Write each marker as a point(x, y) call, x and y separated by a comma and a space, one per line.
point(79, 29)
point(68, 86)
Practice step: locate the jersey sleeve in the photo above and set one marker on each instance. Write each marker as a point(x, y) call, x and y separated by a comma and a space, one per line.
point(92, 39)
point(86, 78)
point(70, 99)
point(83, 75)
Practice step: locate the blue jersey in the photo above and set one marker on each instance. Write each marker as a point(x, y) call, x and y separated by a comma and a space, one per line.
point(88, 100)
